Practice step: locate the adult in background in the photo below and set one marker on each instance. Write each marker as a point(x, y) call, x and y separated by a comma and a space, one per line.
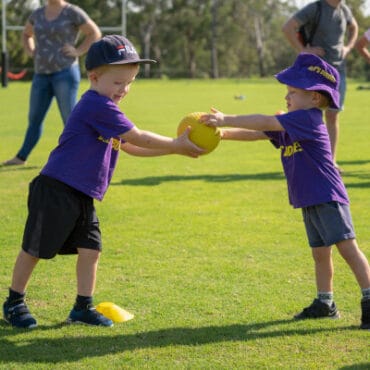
point(330, 22)
point(363, 44)
point(49, 37)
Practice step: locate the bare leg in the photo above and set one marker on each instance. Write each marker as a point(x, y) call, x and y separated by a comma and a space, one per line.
point(83, 311)
point(324, 269)
point(332, 124)
point(87, 264)
point(22, 271)
point(322, 306)
point(356, 260)
point(16, 312)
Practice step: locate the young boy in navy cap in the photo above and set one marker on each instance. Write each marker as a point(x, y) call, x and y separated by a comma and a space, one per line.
point(62, 217)
point(314, 183)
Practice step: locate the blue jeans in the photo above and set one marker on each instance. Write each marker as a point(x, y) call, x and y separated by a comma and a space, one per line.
point(64, 86)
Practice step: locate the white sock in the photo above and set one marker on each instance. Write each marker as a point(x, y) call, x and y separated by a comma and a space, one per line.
point(366, 293)
point(326, 297)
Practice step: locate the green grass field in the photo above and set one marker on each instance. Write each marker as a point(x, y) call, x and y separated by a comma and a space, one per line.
point(207, 253)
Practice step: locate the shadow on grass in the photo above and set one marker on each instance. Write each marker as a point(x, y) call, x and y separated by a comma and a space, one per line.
point(361, 175)
point(363, 178)
point(224, 178)
point(73, 348)
point(359, 185)
point(17, 168)
point(157, 180)
point(362, 366)
point(359, 161)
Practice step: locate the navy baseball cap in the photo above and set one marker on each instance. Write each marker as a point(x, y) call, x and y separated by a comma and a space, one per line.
point(113, 49)
point(310, 72)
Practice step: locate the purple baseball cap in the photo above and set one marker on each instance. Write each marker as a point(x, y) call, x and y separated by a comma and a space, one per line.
point(113, 49)
point(310, 72)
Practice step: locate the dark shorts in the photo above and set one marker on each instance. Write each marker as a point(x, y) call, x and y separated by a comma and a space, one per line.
point(60, 220)
point(328, 224)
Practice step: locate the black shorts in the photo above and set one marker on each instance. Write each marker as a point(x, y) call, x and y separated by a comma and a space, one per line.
point(60, 220)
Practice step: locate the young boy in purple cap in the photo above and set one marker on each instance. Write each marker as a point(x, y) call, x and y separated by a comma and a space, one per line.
point(62, 217)
point(314, 184)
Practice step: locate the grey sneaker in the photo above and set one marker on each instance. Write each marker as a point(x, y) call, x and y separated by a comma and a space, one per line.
point(365, 317)
point(88, 316)
point(18, 315)
point(317, 310)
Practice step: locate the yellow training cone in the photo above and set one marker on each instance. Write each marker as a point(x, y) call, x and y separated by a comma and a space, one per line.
point(114, 312)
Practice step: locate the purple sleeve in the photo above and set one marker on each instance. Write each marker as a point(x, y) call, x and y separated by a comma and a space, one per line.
point(302, 124)
point(102, 115)
point(109, 121)
point(299, 125)
point(274, 137)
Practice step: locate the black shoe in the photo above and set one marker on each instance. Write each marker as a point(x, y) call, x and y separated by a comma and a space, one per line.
point(88, 316)
point(18, 315)
point(365, 318)
point(318, 310)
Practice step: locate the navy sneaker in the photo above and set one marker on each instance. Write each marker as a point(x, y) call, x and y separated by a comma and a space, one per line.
point(365, 318)
point(318, 310)
point(18, 315)
point(89, 316)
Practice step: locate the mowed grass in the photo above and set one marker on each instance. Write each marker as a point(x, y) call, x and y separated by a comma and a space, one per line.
point(206, 253)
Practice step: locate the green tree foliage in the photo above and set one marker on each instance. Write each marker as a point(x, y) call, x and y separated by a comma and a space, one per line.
point(195, 39)
point(17, 13)
point(356, 65)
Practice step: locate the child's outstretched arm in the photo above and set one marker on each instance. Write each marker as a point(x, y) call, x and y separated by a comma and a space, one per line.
point(257, 122)
point(139, 151)
point(148, 144)
point(242, 134)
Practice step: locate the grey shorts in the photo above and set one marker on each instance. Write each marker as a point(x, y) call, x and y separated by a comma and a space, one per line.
point(60, 220)
point(327, 224)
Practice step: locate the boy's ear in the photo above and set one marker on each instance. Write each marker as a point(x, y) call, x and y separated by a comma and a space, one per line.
point(316, 97)
point(320, 100)
point(93, 76)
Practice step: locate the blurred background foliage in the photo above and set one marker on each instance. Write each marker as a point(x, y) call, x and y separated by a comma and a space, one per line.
point(194, 38)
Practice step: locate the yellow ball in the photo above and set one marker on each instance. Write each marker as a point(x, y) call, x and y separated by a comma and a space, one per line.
point(114, 312)
point(204, 136)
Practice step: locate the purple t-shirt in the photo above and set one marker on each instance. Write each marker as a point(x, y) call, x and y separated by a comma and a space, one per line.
point(88, 148)
point(307, 159)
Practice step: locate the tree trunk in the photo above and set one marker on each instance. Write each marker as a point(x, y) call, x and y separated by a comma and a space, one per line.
point(214, 56)
point(259, 45)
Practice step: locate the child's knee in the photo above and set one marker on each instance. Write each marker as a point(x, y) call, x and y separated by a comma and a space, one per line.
point(91, 255)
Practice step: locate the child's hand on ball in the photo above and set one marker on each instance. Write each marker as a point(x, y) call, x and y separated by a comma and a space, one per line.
point(206, 137)
point(216, 119)
point(185, 146)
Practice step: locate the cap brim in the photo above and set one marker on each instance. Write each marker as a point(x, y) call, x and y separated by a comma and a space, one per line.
point(136, 61)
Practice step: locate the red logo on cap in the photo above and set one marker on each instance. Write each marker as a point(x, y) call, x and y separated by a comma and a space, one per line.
point(121, 49)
